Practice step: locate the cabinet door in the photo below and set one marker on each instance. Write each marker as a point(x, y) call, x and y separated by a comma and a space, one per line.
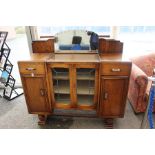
point(113, 96)
point(36, 94)
point(60, 82)
point(87, 86)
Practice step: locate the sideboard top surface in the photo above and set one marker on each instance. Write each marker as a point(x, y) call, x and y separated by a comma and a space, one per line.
point(75, 57)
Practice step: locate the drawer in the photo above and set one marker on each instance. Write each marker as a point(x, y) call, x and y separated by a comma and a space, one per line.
point(115, 68)
point(31, 67)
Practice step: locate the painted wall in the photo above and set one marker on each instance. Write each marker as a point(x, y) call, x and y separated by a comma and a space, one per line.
point(11, 31)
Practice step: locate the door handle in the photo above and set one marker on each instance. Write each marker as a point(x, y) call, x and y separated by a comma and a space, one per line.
point(105, 96)
point(42, 92)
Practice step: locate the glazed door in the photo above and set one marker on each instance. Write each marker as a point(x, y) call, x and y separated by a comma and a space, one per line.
point(87, 86)
point(36, 94)
point(74, 86)
point(61, 84)
point(113, 96)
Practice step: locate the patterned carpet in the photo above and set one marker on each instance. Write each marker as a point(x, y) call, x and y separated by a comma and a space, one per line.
point(14, 115)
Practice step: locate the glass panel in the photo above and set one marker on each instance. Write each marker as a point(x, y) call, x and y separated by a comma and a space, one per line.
point(61, 85)
point(138, 39)
point(85, 86)
point(52, 30)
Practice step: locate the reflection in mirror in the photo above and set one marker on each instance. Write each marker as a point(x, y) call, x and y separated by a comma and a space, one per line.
point(69, 40)
point(84, 38)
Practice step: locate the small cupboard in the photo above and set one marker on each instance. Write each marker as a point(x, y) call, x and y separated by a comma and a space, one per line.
point(35, 85)
point(114, 81)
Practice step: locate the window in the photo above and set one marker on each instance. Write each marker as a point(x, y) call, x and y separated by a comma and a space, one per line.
point(138, 40)
point(51, 31)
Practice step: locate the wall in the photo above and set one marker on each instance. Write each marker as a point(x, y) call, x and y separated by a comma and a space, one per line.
point(11, 31)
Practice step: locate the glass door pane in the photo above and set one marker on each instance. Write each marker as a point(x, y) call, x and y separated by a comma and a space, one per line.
point(85, 86)
point(61, 84)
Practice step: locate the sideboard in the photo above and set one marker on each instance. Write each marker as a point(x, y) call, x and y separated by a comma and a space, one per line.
point(76, 84)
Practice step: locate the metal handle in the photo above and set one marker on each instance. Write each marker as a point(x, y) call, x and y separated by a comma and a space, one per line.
point(30, 69)
point(115, 69)
point(105, 95)
point(42, 92)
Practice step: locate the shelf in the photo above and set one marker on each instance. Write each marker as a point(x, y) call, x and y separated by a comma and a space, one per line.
point(82, 90)
point(61, 87)
point(79, 77)
point(85, 87)
point(61, 90)
point(85, 74)
point(85, 77)
point(85, 99)
point(60, 77)
point(62, 98)
point(60, 74)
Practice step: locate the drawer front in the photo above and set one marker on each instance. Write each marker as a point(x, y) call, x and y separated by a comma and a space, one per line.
point(31, 67)
point(115, 68)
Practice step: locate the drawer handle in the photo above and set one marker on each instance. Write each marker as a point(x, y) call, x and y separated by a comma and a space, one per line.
point(115, 69)
point(30, 69)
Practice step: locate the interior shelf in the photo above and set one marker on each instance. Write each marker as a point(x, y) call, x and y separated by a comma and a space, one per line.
point(62, 98)
point(60, 73)
point(85, 77)
point(61, 90)
point(82, 89)
point(79, 77)
point(85, 87)
point(61, 87)
point(85, 99)
point(60, 77)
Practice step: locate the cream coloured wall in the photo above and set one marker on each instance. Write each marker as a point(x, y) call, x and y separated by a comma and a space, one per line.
point(11, 31)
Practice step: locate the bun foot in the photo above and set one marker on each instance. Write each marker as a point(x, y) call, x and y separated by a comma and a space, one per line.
point(108, 123)
point(42, 119)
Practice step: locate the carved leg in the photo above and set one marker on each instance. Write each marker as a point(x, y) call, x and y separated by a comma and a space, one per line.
point(42, 119)
point(108, 123)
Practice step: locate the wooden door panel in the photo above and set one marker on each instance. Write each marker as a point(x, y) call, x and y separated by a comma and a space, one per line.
point(36, 95)
point(113, 96)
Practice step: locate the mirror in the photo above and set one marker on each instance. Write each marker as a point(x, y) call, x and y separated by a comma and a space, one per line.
point(74, 38)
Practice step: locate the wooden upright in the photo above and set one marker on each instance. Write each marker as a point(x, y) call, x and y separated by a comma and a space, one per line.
point(43, 45)
point(110, 46)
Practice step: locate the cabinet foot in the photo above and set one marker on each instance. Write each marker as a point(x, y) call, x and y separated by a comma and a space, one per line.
point(108, 123)
point(42, 119)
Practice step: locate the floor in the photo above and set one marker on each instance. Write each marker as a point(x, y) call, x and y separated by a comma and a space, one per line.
point(14, 115)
